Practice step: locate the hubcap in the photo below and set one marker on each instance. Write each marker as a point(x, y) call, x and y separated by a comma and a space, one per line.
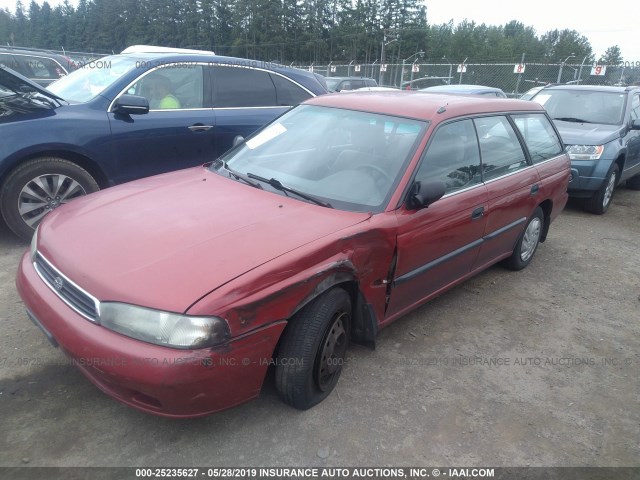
point(608, 193)
point(333, 350)
point(530, 239)
point(45, 193)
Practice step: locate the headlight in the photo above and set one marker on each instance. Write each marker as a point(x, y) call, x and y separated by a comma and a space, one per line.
point(585, 152)
point(34, 244)
point(163, 328)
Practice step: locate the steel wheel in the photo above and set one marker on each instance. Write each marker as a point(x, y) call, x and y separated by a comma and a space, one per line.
point(530, 239)
point(44, 194)
point(331, 357)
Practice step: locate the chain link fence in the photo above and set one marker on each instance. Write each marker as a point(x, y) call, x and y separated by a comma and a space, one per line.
point(513, 79)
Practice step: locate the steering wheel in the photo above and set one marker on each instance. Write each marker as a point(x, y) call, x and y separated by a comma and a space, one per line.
point(380, 173)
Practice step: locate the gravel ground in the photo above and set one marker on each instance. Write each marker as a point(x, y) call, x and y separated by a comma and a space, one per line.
point(538, 368)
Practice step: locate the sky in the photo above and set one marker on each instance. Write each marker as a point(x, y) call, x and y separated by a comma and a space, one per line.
point(604, 27)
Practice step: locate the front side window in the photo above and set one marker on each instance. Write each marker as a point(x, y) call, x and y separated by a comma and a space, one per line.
point(171, 87)
point(583, 106)
point(452, 157)
point(44, 68)
point(350, 159)
point(242, 87)
point(539, 135)
point(500, 148)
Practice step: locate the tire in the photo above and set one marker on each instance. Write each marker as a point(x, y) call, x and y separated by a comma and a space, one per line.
point(634, 183)
point(527, 242)
point(601, 200)
point(38, 186)
point(312, 351)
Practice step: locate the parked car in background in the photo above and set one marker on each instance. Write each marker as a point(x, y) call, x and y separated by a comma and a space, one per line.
point(129, 116)
point(466, 90)
point(290, 245)
point(529, 94)
point(42, 66)
point(338, 84)
point(601, 127)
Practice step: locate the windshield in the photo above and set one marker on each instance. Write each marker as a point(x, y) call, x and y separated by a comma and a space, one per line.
point(342, 158)
point(583, 106)
point(92, 79)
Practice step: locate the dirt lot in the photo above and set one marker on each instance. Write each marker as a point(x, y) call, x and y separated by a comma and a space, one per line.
point(537, 368)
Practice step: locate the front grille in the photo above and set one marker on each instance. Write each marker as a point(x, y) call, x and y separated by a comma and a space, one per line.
point(69, 292)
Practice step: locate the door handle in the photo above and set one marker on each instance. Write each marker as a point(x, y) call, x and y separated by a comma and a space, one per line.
point(535, 189)
point(477, 213)
point(198, 127)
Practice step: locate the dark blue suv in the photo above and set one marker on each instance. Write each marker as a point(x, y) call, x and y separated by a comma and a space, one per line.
point(140, 113)
point(600, 125)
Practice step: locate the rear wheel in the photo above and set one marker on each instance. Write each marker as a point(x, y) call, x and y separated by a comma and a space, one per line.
point(600, 201)
point(39, 186)
point(528, 242)
point(313, 349)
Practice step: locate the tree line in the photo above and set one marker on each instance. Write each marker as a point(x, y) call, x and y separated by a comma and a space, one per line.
point(287, 31)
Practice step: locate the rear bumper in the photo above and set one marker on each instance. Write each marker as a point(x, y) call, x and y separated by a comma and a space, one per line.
point(151, 378)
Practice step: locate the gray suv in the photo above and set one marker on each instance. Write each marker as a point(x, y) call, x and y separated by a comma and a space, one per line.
point(601, 128)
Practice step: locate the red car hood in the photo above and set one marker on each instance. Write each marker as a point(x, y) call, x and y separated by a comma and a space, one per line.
point(166, 241)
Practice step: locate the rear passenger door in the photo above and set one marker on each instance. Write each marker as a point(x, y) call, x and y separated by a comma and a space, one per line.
point(244, 99)
point(544, 146)
point(513, 187)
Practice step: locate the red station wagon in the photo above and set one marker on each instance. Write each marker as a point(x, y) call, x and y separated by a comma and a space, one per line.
point(174, 294)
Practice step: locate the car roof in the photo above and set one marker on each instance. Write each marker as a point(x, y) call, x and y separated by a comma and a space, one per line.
point(461, 88)
point(601, 88)
point(349, 78)
point(422, 107)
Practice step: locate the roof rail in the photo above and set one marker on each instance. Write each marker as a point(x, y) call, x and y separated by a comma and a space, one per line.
point(157, 49)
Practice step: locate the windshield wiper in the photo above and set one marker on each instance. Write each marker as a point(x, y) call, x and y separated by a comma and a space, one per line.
point(275, 183)
point(572, 119)
point(239, 176)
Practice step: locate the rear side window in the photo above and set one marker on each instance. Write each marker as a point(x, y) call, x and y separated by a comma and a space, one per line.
point(539, 135)
point(452, 157)
point(287, 92)
point(500, 148)
point(242, 87)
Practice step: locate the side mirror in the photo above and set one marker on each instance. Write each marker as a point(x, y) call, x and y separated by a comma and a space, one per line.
point(422, 195)
point(131, 105)
point(635, 124)
point(237, 140)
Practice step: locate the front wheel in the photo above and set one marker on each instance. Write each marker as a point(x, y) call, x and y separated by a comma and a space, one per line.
point(601, 200)
point(39, 186)
point(313, 349)
point(528, 242)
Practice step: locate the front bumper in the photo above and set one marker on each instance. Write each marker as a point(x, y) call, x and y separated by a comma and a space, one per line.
point(587, 176)
point(152, 378)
